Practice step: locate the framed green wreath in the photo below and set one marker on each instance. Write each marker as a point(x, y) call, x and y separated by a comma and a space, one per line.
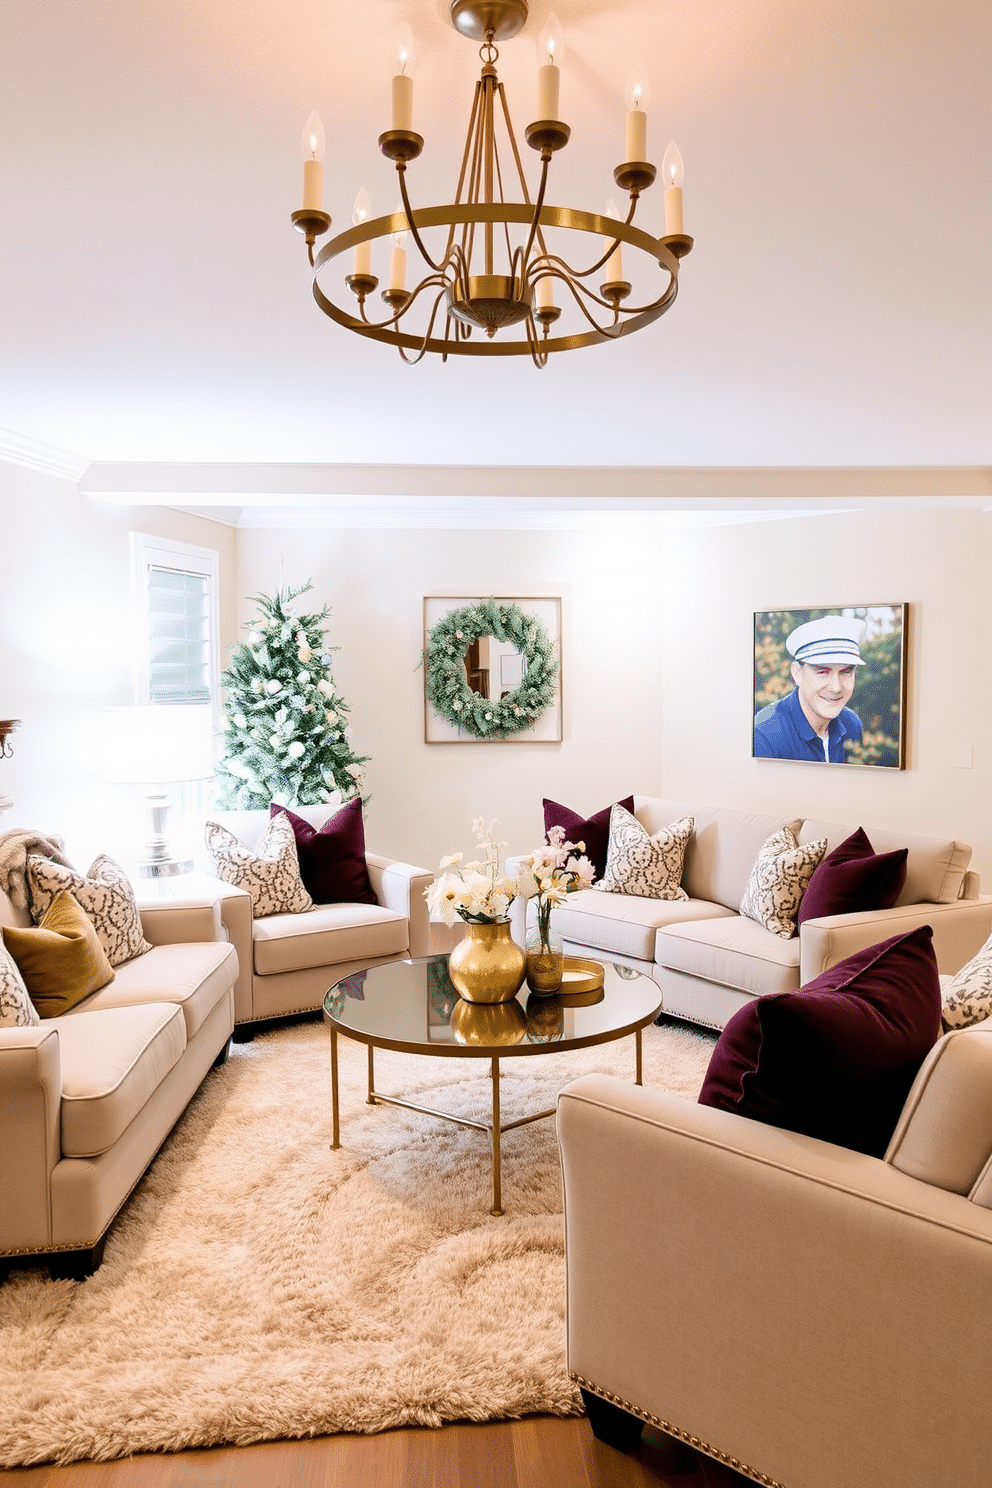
point(463, 623)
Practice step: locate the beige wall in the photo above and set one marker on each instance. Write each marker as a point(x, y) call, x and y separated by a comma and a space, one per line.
point(657, 667)
point(656, 661)
point(424, 797)
point(937, 561)
point(66, 648)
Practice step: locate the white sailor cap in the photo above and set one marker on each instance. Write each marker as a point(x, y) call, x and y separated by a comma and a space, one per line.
point(830, 641)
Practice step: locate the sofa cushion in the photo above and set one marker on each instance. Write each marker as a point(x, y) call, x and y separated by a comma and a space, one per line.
point(935, 866)
point(61, 960)
point(836, 1059)
point(733, 952)
point(642, 864)
point(853, 878)
point(625, 924)
point(778, 879)
point(719, 859)
point(16, 1008)
point(328, 935)
point(106, 895)
point(195, 975)
point(270, 871)
point(944, 1134)
point(112, 1062)
point(967, 996)
point(593, 830)
point(332, 857)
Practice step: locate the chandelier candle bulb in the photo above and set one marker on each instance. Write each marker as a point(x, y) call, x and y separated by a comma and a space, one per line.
point(549, 50)
point(402, 101)
point(313, 144)
point(397, 267)
point(636, 134)
point(545, 289)
point(673, 171)
point(363, 251)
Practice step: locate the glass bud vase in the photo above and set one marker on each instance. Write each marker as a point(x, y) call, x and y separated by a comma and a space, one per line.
point(545, 956)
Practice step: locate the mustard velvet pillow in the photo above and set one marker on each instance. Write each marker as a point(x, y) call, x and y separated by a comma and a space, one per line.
point(61, 958)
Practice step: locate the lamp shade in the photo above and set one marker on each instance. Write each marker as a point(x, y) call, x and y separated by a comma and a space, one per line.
point(157, 745)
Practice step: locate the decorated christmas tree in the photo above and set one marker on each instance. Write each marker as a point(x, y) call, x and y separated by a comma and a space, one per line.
point(285, 734)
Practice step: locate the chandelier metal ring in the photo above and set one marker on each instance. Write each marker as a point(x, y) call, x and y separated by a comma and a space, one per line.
point(567, 218)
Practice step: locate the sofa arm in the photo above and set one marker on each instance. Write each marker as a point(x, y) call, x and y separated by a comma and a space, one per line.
point(401, 887)
point(169, 924)
point(804, 1309)
point(30, 1137)
point(959, 930)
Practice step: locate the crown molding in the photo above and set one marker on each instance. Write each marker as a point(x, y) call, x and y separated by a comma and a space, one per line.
point(18, 449)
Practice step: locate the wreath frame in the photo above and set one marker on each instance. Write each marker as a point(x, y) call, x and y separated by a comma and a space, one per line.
point(446, 683)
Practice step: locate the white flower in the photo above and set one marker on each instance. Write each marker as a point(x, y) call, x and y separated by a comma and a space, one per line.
point(459, 635)
point(457, 704)
point(304, 653)
point(255, 639)
point(273, 685)
point(489, 715)
point(275, 740)
point(295, 749)
point(331, 717)
point(240, 721)
point(452, 861)
point(302, 678)
point(445, 897)
point(281, 715)
point(325, 687)
point(281, 798)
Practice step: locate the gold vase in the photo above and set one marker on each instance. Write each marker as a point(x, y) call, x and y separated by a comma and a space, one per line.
point(486, 965)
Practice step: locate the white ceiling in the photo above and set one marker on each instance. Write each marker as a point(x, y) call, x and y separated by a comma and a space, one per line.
point(835, 312)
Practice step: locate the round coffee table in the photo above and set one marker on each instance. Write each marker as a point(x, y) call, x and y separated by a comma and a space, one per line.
point(413, 1007)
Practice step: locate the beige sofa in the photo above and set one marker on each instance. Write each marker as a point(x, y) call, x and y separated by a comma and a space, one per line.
point(813, 1317)
point(288, 961)
point(709, 960)
point(87, 1098)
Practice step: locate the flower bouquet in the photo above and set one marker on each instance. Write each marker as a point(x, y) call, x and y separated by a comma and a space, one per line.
point(486, 966)
point(557, 870)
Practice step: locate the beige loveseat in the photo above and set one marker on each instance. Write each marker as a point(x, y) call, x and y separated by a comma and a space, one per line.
point(814, 1317)
point(88, 1097)
point(709, 960)
point(288, 961)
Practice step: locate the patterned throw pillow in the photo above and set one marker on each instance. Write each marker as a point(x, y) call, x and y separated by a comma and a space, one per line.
point(16, 1008)
point(105, 893)
point(781, 872)
point(270, 872)
point(637, 863)
point(967, 998)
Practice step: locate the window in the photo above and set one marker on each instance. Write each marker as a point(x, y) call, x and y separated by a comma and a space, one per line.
point(176, 610)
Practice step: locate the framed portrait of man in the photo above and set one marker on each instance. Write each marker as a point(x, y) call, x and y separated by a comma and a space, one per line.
point(830, 685)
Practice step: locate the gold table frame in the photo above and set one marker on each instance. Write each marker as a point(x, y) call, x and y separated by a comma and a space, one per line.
point(495, 1127)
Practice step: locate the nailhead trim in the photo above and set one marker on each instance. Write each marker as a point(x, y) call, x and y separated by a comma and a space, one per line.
point(679, 1434)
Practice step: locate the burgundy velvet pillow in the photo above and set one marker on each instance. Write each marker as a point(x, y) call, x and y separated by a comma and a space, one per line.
point(853, 878)
point(836, 1059)
point(594, 831)
point(332, 860)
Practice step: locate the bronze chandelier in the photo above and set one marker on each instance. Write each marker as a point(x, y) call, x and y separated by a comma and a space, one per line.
point(491, 285)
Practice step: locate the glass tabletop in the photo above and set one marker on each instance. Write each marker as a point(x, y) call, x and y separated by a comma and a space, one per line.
point(413, 1006)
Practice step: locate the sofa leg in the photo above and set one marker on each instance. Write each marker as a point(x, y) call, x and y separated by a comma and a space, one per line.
point(76, 1265)
point(244, 1033)
point(610, 1424)
point(222, 1056)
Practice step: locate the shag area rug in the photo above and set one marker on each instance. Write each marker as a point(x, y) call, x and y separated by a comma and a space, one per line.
point(258, 1285)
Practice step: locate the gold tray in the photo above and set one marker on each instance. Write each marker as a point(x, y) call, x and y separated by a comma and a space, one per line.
point(582, 981)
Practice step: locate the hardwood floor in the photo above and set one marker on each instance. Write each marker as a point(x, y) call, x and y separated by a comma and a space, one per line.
point(538, 1452)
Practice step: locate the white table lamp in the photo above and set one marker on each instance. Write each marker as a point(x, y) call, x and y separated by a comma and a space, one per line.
point(157, 746)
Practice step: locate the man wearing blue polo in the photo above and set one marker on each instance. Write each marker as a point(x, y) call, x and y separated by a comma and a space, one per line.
point(814, 722)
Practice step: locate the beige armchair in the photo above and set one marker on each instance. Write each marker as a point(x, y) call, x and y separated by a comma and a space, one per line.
point(813, 1317)
point(288, 961)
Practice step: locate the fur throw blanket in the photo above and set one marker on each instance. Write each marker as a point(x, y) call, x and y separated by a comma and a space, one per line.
point(14, 849)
